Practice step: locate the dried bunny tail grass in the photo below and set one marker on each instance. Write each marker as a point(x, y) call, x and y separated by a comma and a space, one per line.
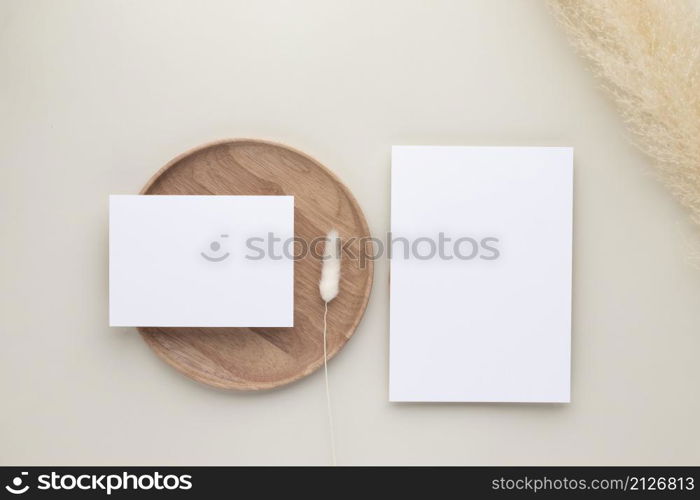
point(330, 272)
point(329, 287)
point(647, 54)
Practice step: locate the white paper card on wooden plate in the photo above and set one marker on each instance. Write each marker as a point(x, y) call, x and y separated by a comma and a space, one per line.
point(481, 274)
point(207, 261)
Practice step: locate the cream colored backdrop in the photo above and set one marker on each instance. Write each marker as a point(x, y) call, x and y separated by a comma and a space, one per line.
point(97, 95)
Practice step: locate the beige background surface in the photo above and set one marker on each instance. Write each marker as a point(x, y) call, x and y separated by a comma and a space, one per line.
point(97, 95)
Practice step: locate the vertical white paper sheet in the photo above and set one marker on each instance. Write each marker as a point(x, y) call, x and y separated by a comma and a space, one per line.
point(481, 274)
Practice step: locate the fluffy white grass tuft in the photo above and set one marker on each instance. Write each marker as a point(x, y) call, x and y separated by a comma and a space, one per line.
point(330, 273)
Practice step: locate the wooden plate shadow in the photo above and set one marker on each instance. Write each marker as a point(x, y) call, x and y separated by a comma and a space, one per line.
point(264, 358)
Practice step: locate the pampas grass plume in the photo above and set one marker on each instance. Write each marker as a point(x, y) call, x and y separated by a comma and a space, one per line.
point(646, 53)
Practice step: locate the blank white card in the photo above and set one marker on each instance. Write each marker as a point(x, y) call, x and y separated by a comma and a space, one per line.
point(201, 261)
point(481, 274)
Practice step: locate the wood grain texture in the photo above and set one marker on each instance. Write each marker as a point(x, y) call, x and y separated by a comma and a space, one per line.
point(264, 358)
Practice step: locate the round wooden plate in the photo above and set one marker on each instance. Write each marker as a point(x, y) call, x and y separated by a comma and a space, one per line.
point(263, 358)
